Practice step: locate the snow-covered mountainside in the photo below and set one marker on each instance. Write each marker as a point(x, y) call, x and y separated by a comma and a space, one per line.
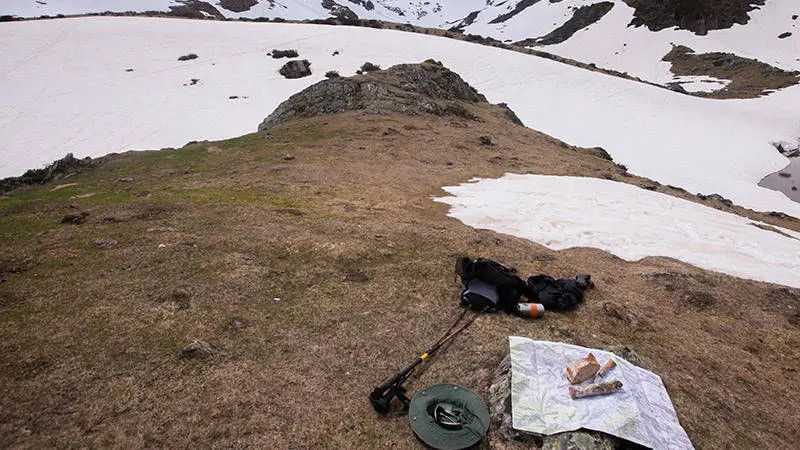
point(629, 36)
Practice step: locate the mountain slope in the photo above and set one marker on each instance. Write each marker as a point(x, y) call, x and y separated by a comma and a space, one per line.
point(672, 138)
point(312, 255)
point(629, 36)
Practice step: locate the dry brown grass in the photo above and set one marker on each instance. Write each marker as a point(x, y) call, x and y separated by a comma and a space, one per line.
point(362, 260)
point(749, 78)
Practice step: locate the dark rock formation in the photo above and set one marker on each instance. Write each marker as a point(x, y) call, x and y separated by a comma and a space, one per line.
point(239, 5)
point(366, 4)
point(427, 88)
point(339, 11)
point(521, 6)
point(749, 77)
point(296, 69)
point(369, 67)
point(58, 169)
point(698, 16)
point(194, 9)
point(511, 115)
point(581, 18)
point(466, 21)
point(277, 54)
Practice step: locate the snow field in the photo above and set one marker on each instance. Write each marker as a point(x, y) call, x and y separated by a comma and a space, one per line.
point(632, 223)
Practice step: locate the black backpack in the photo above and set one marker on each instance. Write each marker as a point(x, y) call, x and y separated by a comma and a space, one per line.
point(558, 295)
point(489, 285)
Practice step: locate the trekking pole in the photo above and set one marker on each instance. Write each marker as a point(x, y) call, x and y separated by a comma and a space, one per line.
point(382, 396)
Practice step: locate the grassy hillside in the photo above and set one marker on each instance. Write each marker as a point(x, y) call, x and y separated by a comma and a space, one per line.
point(314, 262)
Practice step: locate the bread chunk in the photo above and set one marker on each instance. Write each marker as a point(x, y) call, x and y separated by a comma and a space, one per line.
point(582, 369)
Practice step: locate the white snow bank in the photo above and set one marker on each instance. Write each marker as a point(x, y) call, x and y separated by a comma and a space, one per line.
point(632, 223)
point(699, 83)
point(65, 89)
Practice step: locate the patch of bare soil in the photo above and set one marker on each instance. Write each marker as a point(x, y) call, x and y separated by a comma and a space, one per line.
point(304, 282)
point(749, 77)
point(698, 16)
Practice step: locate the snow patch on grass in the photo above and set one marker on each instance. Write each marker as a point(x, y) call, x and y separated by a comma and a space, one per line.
point(632, 223)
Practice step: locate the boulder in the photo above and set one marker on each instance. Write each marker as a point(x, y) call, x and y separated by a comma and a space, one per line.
point(296, 69)
point(427, 88)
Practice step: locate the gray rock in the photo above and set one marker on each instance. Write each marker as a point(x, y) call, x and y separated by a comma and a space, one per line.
point(716, 198)
point(427, 88)
point(75, 219)
point(580, 440)
point(180, 299)
point(296, 69)
point(198, 349)
point(104, 242)
point(238, 5)
point(161, 229)
point(277, 54)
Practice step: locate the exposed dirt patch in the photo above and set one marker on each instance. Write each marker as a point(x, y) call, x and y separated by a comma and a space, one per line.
point(749, 77)
point(699, 16)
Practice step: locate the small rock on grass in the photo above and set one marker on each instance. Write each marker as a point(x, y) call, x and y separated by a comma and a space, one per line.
point(75, 219)
point(160, 229)
point(198, 349)
point(104, 242)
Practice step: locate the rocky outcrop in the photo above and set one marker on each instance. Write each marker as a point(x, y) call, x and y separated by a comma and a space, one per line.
point(427, 88)
point(239, 5)
point(749, 77)
point(61, 168)
point(521, 6)
point(339, 11)
point(296, 69)
point(581, 18)
point(698, 16)
point(194, 9)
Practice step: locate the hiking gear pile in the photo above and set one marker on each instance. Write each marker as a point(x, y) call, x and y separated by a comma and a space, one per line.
point(489, 284)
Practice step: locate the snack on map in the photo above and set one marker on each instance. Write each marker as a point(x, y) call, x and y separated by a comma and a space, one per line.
point(606, 368)
point(590, 390)
point(582, 369)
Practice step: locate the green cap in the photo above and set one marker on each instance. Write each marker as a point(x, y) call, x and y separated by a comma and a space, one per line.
point(448, 417)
